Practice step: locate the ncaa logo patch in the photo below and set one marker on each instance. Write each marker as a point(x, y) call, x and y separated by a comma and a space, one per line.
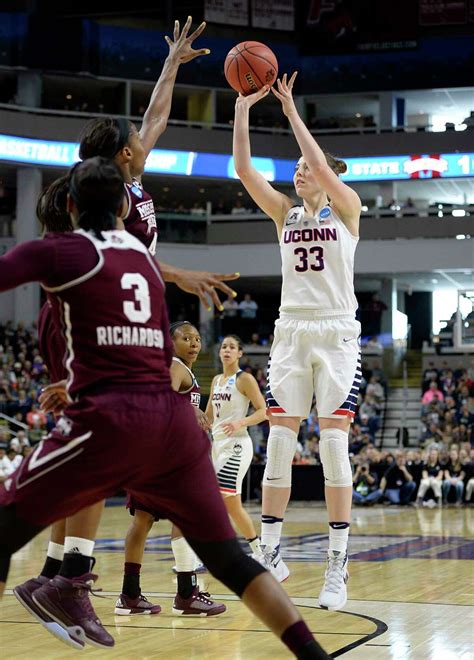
point(137, 191)
point(325, 213)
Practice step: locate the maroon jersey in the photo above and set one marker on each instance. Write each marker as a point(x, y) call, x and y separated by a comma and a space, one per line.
point(51, 343)
point(107, 298)
point(193, 392)
point(140, 220)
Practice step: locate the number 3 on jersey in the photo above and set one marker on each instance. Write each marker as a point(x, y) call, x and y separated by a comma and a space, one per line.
point(305, 255)
point(139, 310)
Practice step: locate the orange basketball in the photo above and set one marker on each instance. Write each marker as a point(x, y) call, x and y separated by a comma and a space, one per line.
point(249, 66)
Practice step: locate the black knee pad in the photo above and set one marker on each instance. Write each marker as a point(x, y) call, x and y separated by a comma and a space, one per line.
point(228, 563)
point(14, 534)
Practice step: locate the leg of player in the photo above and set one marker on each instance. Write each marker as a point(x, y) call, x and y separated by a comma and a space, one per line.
point(261, 593)
point(67, 594)
point(338, 491)
point(131, 600)
point(276, 489)
point(243, 521)
point(24, 592)
point(189, 600)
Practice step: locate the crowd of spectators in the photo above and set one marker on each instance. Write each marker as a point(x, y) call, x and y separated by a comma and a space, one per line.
point(22, 376)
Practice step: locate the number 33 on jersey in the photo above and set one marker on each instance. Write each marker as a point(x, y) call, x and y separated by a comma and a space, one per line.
point(317, 256)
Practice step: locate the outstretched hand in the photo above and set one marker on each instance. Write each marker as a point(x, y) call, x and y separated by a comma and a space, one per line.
point(181, 46)
point(204, 284)
point(285, 93)
point(250, 100)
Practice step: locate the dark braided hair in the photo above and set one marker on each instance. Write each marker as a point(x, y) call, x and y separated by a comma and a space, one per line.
point(96, 187)
point(105, 137)
point(179, 324)
point(51, 208)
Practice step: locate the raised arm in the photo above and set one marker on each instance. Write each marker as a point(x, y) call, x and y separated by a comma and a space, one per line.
point(156, 116)
point(271, 202)
point(346, 202)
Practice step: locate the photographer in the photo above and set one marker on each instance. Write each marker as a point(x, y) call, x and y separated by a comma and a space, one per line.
point(397, 483)
point(365, 486)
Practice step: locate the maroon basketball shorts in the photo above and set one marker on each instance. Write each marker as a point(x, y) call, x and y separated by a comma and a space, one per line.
point(141, 440)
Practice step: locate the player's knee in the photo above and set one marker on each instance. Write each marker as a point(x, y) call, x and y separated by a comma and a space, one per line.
point(281, 447)
point(334, 455)
point(227, 562)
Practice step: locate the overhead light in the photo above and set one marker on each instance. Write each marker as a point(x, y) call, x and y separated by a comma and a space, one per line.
point(458, 213)
point(433, 281)
point(240, 194)
point(166, 189)
point(364, 208)
point(69, 97)
point(460, 237)
point(358, 115)
point(440, 214)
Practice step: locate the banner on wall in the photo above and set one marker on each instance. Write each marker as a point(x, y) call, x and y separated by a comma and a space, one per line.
point(192, 163)
point(443, 12)
point(231, 12)
point(273, 14)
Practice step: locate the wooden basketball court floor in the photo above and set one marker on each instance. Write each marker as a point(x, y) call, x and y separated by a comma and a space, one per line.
point(410, 593)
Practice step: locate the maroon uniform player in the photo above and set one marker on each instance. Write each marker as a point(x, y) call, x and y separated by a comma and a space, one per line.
point(65, 534)
point(189, 600)
point(120, 140)
point(118, 357)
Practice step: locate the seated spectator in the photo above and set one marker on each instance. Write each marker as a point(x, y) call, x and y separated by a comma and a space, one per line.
point(255, 339)
point(432, 438)
point(238, 208)
point(431, 477)
point(375, 389)
point(10, 462)
point(453, 478)
point(365, 489)
point(19, 442)
point(374, 344)
point(414, 463)
point(432, 392)
point(397, 483)
point(36, 415)
point(430, 374)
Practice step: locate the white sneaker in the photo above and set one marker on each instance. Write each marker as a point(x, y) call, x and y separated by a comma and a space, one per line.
point(333, 595)
point(272, 561)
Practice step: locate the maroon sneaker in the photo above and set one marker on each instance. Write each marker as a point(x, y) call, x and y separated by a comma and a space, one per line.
point(24, 593)
point(67, 602)
point(199, 603)
point(126, 605)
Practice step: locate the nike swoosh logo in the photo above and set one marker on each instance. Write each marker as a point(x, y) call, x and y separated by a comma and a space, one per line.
point(351, 339)
point(273, 478)
point(338, 526)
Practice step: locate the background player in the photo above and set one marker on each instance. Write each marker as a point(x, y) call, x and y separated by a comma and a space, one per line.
point(232, 450)
point(89, 455)
point(316, 337)
point(120, 140)
point(189, 600)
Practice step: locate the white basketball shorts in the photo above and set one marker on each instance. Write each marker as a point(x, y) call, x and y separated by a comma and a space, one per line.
point(231, 458)
point(314, 356)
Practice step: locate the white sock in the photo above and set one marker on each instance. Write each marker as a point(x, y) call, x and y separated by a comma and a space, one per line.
point(55, 551)
point(77, 545)
point(271, 530)
point(338, 538)
point(184, 555)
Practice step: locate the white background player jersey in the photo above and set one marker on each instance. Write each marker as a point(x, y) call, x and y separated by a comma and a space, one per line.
point(228, 405)
point(317, 257)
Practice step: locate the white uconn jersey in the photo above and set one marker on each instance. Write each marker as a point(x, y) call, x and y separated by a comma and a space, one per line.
point(317, 255)
point(228, 405)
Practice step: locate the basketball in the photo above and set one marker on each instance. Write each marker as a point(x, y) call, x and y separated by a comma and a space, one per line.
point(249, 66)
